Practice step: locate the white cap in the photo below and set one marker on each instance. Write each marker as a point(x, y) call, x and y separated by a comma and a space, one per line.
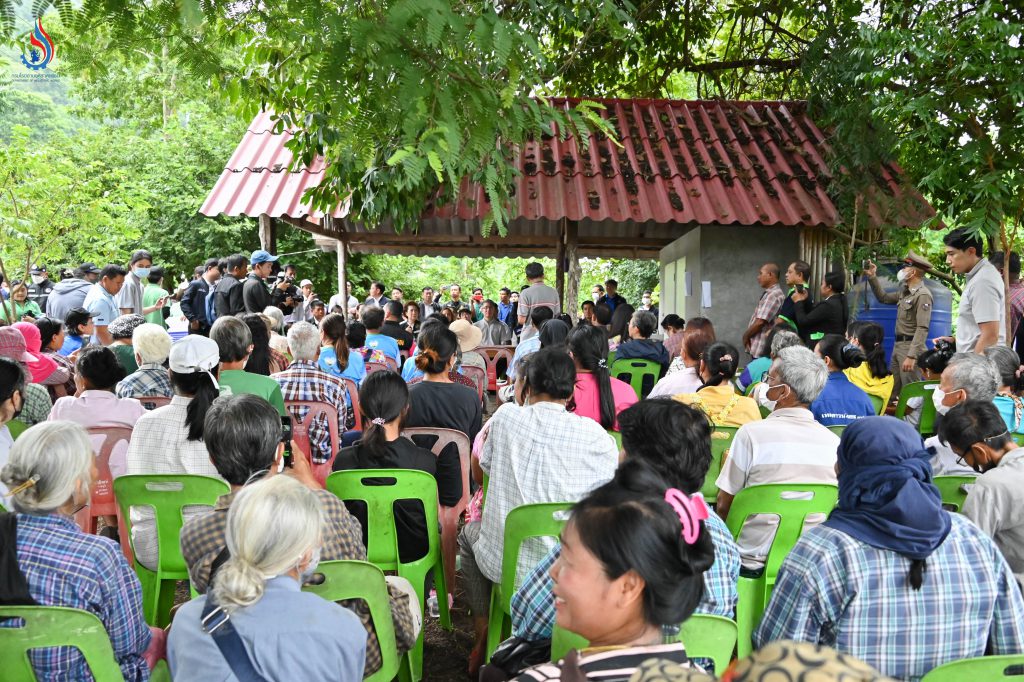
point(305, 283)
point(193, 354)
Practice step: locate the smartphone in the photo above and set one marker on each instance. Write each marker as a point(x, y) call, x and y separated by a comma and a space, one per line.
point(800, 288)
point(865, 264)
point(286, 440)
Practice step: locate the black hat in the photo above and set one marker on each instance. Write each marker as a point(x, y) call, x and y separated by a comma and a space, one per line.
point(37, 269)
point(89, 269)
point(77, 316)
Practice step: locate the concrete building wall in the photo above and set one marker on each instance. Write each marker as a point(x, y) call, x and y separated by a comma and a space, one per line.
point(729, 258)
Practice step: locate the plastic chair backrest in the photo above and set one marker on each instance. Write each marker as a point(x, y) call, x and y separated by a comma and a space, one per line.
point(721, 441)
point(951, 488)
point(1018, 438)
point(449, 515)
point(837, 429)
point(167, 494)
point(300, 432)
point(479, 377)
point(102, 502)
point(345, 580)
point(379, 489)
point(642, 375)
point(151, 402)
point(492, 354)
point(372, 367)
point(923, 390)
point(524, 522)
point(618, 438)
point(353, 401)
point(988, 668)
point(52, 626)
point(702, 635)
point(878, 402)
point(751, 388)
point(769, 499)
point(16, 427)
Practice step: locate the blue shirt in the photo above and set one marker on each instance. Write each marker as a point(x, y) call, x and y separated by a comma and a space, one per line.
point(1007, 407)
point(101, 304)
point(289, 635)
point(530, 345)
point(505, 314)
point(66, 567)
point(71, 344)
point(355, 370)
point(385, 344)
point(533, 606)
point(841, 402)
point(752, 373)
point(835, 590)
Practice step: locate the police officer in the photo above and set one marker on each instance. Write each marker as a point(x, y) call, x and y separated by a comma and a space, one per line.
point(41, 286)
point(912, 318)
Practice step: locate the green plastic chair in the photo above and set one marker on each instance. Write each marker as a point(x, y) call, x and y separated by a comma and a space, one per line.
point(16, 427)
point(1018, 438)
point(642, 375)
point(721, 441)
point(51, 626)
point(952, 490)
point(523, 522)
point(702, 635)
point(923, 390)
point(618, 438)
point(362, 580)
point(878, 402)
point(986, 668)
point(379, 489)
point(166, 494)
point(838, 429)
point(611, 358)
point(751, 388)
point(754, 593)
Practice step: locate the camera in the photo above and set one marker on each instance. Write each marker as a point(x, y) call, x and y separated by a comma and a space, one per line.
point(945, 348)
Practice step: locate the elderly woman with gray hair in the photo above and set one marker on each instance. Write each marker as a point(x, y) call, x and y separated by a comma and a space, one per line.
point(49, 475)
point(257, 609)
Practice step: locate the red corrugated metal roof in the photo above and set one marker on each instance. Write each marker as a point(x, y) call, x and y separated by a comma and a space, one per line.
point(684, 162)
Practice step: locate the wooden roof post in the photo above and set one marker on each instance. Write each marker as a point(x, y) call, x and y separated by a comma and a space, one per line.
point(268, 233)
point(560, 264)
point(572, 258)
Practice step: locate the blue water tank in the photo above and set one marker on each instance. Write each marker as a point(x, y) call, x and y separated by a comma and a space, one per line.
point(864, 307)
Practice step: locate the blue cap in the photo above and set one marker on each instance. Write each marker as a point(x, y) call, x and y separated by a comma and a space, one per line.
point(261, 256)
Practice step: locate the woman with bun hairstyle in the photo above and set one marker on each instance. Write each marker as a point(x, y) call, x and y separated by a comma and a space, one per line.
point(873, 376)
point(437, 401)
point(717, 397)
point(598, 395)
point(840, 403)
point(633, 561)
point(384, 401)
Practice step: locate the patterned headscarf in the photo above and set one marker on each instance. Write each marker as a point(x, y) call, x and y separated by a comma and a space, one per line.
point(123, 326)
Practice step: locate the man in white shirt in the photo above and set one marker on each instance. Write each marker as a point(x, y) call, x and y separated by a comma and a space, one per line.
point(537, 295)
point(347, 302)
point(787, 447)
point(981, 321)
point(495, 332)
point(376, 296)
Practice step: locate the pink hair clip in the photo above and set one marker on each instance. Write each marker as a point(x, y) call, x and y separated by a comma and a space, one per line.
point(690, 510)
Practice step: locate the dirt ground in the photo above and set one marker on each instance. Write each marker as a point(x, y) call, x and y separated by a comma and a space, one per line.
point(446, 653)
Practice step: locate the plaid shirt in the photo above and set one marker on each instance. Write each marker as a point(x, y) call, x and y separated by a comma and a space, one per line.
point(835, 590)
point(149, 379)
point(303, 380)
point(69, 385)
point(66, 567)
point(533, 608)
point(202, 539)
point(1016, 306)
point(37, 405)
point(767, 309)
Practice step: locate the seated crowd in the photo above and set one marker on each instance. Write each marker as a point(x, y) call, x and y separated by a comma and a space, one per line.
point(263, 395)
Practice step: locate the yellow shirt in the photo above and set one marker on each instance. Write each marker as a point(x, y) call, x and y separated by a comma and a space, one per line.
point(862, 378)
point(723, 405)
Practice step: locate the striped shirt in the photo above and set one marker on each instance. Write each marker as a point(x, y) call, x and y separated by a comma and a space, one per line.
point(66, 567)
point(607, 664)
point(787, 447)
point(835, 590)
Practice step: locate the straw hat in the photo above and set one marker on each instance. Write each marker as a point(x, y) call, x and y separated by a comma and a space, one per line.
point(469, 336)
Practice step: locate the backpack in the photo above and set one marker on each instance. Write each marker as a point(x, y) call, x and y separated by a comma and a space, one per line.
point(210, 304)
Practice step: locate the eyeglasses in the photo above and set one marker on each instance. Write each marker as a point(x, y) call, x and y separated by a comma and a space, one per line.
point(767, 377)
point(963, 462)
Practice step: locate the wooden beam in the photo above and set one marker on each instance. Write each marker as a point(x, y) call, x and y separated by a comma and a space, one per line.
point(560, 267)
point(268, 233)
point(572, 284)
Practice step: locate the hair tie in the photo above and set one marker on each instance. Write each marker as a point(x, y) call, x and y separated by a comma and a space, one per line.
point(602, 363)
point(379, 421)
point(690, 510)
point(31, 481)
point(725, 358)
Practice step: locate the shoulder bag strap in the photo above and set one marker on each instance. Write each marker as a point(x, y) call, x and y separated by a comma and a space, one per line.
point(217, 623)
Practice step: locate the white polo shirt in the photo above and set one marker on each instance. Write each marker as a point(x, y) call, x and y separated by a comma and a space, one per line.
point(983, 300)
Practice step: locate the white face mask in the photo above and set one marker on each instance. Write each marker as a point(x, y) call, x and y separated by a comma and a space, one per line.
point(901, 275)
point(38, 279)
point(938, 395)
point(646, 301)
point(761, 396)
point(141, 273)
point(307, 573)
point(595, 296)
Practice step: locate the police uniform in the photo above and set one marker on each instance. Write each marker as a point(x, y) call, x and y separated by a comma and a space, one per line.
point(39, 292)
point(913, 319)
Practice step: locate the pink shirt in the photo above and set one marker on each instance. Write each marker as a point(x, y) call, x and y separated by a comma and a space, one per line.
point(101, 408)
point(588, 403)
